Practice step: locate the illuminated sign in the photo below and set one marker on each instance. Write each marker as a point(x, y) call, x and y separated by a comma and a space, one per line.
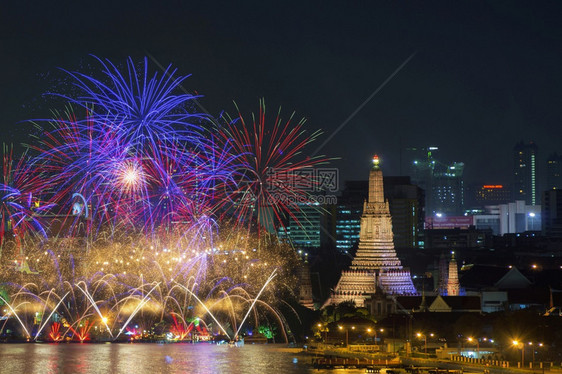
point(492, 186)
point(451, 222)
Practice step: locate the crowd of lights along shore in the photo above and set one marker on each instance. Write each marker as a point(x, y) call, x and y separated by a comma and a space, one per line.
point(133, 216)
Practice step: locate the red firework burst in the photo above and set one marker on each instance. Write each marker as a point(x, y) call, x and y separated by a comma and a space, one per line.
point(275, 177)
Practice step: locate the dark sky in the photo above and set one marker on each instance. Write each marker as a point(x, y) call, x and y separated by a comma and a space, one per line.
point(484, 76)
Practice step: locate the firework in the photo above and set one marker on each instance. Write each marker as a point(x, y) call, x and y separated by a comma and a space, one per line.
point(273, 174)
point(89, 159)
point(19, 197)
point(131, 280)
point(154, 206)
point(141, 108)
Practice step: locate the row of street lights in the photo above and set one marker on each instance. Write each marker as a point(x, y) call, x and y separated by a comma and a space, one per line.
point(369, 331)
point(470, 339)
point(518, 344)
point(420, 335)
point(322, 328)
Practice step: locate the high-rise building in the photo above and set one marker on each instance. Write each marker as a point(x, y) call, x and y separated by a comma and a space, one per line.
point(479, 195)
point(348, 219)
point(551, 213)
point(375, 263)
point(525, 172)
point(448, 189)
point(304, 227)
point(406, 202)
point(554, 172)
point(348, 225)
point(422, 164)
point(443, 183)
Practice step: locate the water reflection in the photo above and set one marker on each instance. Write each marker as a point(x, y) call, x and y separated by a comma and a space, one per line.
point(152, 358)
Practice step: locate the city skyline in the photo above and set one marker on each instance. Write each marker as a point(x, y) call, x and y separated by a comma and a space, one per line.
point(333, 184)
point(474, 91)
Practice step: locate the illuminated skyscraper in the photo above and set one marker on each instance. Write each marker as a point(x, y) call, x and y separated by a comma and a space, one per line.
point(348, 220)
point(448, 189)
point(305, 228)
point(525, 172)
point(481, 195)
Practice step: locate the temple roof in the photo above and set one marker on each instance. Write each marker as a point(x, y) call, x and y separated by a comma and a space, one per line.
point(490, 276)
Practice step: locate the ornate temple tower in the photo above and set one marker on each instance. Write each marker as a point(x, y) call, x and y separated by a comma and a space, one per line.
point(453, 286)
point(375, 261)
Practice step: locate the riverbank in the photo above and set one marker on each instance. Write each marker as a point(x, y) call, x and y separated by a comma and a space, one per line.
point(320, 354)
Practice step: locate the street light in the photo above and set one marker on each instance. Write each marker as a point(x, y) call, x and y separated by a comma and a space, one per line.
point(517, 344)
point(322, 328)
point(346, 335)
point(470, 339)
point(533, 349)
point(419, 335)
point(370, 330)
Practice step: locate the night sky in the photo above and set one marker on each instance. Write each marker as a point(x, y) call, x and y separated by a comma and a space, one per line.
point(484, 75)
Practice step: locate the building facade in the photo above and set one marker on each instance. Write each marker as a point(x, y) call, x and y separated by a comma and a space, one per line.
point(554, 172)
point(348, 215)
point(551, 213)
point(512, 218)
point(525, 173)
point(422, 164)
point(480, 195)
point(443, 183)
point(448, 189)
point(406, 202)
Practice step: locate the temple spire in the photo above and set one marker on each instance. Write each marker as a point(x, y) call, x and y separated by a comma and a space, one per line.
point(453, 286)
point(376, 190)
point(375, 263)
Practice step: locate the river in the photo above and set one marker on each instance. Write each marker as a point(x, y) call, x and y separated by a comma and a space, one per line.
point(153, 359)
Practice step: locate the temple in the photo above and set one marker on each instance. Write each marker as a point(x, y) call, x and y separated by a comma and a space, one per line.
point(453, 286)
point(375, 267)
